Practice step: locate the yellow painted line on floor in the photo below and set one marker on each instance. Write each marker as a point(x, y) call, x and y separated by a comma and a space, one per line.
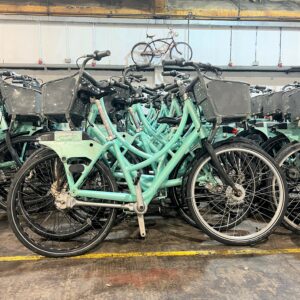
point(224, 252)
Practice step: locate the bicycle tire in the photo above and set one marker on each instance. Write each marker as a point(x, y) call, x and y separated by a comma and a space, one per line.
point(174, 48)
point(257, 235)
point(142, 44)
point(22, 233)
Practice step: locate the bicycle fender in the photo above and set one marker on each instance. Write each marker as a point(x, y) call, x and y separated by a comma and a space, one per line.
point(72, 144)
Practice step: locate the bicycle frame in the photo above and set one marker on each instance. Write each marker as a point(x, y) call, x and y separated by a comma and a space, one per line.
point(170, 45)
point(76, 146)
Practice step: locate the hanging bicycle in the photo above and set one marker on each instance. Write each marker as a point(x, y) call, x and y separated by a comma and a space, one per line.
point(145, 52)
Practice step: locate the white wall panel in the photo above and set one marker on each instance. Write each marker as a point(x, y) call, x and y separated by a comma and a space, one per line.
point(25, 41)
point(20, 42)
point(243, 47)
point(80, 40)
point(53, 43)
point(268, 47)
point(211, 45)
point(291, 47)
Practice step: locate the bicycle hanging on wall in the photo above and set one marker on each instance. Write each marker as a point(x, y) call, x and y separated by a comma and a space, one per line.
point(145, 52)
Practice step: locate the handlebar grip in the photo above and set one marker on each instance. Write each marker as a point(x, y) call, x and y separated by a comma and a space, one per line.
point(171, 87)
point(177, 62)
point(138, 100)
point(19, 77)
point(158, 87)
point(148, 91)
point(17, 81)
point(98, 55)
point(121, 85)
point(138, 76)
point(143, 66)
point(6, 73)
point(260, 87)
point(103, 84)
point(143, 79)
point(172, 73)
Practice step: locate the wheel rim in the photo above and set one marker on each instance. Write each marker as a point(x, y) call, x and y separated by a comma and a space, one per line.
point(290, 164)
point(181, 50)
point(142, 54)
point(8, 174)
point(44, 226)
point(251, 220)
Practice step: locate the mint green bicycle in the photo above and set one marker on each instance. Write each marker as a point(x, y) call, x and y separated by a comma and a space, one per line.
point(64, 199)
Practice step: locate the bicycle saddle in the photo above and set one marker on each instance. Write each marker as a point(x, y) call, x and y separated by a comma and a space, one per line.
point(170, 121)
point(150, 36)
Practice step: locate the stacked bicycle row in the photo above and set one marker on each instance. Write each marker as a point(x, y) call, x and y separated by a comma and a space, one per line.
point(88, 152)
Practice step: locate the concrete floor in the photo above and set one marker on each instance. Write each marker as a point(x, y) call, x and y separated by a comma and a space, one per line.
point(220, 276)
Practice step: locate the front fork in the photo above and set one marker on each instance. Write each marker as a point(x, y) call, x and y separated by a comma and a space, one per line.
point(216, 163)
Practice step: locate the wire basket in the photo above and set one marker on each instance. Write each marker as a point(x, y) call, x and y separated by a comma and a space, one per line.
point(61, 102)
point(20, 103)
point(223, 101)
point(294, 105)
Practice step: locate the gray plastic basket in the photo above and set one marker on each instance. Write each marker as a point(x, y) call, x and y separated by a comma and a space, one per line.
point(60, 101)
point(223, 100)
point(286, 100)
point(294, 105)
point(274, 103)
point(19, 102)
point(257, 104)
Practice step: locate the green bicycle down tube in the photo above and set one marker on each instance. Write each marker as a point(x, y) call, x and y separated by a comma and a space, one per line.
point(120, 138)
point(152, 132)
point(188, 109)
point(159, 178)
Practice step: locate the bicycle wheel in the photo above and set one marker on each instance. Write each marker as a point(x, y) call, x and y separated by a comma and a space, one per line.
point(24, 146)
point(254, 135)
point(44, 227)
point(177, 194)
point(237, 219)
point(273, 145)
point(142, 53)
point(160, 51)
point(289, 161)
point(181, 50)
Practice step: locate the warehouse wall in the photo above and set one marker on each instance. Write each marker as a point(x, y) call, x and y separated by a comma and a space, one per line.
point(25, 42)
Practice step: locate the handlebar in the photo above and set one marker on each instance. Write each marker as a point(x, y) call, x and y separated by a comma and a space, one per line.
point(148, 91)
point(143, 66)
point(158, 87)
point(98, 55)
point(200, 66)
point(260, 87)
point(174, 62)
point(120, 85)
point(136, 100)
point(172, 73)
point(6, 73)
point(171, 87)
point(137, 76)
